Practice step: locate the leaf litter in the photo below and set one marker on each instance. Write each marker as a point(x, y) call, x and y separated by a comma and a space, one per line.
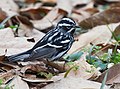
point(29, 23)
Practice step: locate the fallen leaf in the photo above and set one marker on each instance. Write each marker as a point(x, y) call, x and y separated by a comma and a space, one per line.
point(7, 66)
point(74, 83)
point(84, 70)
point(36, 80)
point(97, 35)
point(6, 76)
point(111, 15)
point(117, 33)
point(78, 2)
point(3, 15)
point(9, 6)
point(49, 19)
point(113, 75)
point(30, 1)
point(53, 1)
point(34, 13)
point(115, 86)
point(16, 44)
point(113, 5)
point(92, 11)
point(35, 68)
point(105, 2)
point(65, 5)
point(2, 57)
point(18, 83)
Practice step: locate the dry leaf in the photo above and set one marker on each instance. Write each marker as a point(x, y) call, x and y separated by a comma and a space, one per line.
point(99, 34)
point(49, 19)
point(65, 5)
point(18, 83)
point(34, 13)
point(8, 75)
point(36, 80)
point(30, 1)
point(35, 68)
point(106, 17)
point(2, 57)
point(115, 86)
point(8, 5)
point(53, 1)
point(16, 45)
point(113, 75)
point(79, 2)
point(105, 2)
point(3, 15)
point(7, 66)
point(84, 70)
point(117, 31)
point(115, 5)
point(74, 83)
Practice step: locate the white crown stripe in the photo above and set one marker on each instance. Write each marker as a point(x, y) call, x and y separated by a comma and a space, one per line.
point(64, 24)
point(68, 20)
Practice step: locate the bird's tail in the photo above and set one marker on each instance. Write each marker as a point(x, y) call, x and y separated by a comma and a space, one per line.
point(18, 57)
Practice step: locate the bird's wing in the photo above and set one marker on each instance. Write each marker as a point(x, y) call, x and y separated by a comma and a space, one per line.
point(44, 52)
point(66, 43)
point(44, 40)
point(52, 50)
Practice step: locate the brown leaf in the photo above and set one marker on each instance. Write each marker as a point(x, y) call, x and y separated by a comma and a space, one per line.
point(15, 49)
point(48, 21)
point(104, 49)
point(24, 20)
point(3, 15)
point(115, 5)
point(84, 70)
point(7, 66)
point(78, 2)
point(53, 1)
point(74, 83)
point(106, 17)
point(65, 5)
point(9, 6)
point(30, 1)
point(99, 34)
point(34, 13)
point(8, 75)
point(115, 86)
point(36, 80)
point(18, 83)
point(113, 75)
point(35, 68)
point(82, 13)
point(104, 2)
point(92, 11)
point(2, 57)
point(16, 45)
point(117, 31)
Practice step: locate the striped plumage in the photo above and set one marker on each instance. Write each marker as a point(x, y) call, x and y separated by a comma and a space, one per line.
point(53, 45)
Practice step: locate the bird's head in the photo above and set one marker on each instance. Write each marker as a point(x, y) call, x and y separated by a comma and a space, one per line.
point(68, 25)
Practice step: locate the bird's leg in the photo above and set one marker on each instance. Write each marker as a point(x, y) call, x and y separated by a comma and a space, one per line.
point(51, 69)
point(64, 64)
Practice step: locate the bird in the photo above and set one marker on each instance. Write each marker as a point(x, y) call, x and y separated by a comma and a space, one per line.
point(54, 45)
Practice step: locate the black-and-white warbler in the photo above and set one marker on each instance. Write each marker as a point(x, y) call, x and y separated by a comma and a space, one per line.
point(53, 45)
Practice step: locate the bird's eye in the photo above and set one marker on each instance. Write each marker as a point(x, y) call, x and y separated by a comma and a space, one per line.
point(69, 27)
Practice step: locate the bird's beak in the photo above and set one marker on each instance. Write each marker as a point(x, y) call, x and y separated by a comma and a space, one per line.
point(73, 29)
